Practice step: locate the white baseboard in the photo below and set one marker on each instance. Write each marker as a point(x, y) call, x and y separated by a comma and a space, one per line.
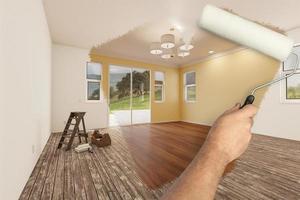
point(167, 121)
point(193, 122)
point(160, 122)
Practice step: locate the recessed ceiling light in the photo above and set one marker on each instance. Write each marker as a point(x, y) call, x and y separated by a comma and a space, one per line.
point(211, 52)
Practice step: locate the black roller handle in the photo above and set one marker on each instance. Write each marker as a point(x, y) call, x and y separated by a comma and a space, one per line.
point(249, 100)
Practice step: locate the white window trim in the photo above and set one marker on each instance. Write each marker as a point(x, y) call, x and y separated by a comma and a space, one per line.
point(283, 85)
point(162, 91)
point(283, 91)
point(190, 85)
point(93, 80)
point(163, 88)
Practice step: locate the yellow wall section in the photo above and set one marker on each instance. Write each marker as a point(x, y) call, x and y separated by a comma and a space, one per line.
point(223, 81)
point(160, 112)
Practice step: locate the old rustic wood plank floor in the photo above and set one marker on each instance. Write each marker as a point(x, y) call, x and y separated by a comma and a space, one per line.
point(270, 169)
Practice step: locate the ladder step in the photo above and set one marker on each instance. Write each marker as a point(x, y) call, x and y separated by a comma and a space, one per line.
point(71, 131)
point(69, 134)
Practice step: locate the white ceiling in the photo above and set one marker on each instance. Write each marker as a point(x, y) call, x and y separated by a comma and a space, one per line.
point(125, 28)
point(135, 45)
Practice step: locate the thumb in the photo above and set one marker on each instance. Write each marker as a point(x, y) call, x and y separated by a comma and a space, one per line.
point(248, 111)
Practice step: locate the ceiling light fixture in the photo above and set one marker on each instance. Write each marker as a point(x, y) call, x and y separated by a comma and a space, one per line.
point(186, 47)
point(211, 52)
point(167, 54)
point(183, 53)
point(155, 48)
point(167, 41)
point(165, 48)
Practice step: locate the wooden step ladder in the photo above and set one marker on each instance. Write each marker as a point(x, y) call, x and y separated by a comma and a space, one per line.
point(74, 120)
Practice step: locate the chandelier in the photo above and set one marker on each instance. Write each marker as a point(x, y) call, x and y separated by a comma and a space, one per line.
point(167, 48)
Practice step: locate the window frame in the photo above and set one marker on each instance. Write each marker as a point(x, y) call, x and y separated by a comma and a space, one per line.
point(87, 80)
point(189, 85)
point(162, 88)
point(286, 88)
point(284, 83)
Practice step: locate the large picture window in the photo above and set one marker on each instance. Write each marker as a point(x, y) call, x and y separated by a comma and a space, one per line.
point(93, 81)
point(190, 86)
point(159, 85)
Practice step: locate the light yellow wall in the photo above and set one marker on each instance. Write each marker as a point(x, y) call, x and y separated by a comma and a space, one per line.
point(223, 81)
point(160, 112)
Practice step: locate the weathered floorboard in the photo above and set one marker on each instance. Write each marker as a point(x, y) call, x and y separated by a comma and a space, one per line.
point(143, 156)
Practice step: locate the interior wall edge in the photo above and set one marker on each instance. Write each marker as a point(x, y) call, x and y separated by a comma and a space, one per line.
point(27, 97)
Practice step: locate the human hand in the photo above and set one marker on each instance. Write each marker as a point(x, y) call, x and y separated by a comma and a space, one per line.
point(226, 141)
point(230, 134)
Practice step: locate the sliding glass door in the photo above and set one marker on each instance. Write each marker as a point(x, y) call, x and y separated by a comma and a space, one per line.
point(140, 96)
point(120, 95)
point(129, 101)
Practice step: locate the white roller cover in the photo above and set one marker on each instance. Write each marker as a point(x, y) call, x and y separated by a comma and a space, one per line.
point(245, 32)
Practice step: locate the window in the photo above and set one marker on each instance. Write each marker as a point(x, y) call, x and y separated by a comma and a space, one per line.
point(190, 86)
point(290, 87)
point(293, 87)
point(93, 80)
point(159, 84)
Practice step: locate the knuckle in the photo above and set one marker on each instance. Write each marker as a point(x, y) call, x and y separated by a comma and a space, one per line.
point(247, 125)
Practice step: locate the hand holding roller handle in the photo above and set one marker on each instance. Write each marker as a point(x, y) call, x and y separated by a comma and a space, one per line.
point(231, 132)
point(249, 100)
point(228, 138)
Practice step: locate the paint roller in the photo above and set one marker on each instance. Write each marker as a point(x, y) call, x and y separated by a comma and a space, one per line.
point(250, 34)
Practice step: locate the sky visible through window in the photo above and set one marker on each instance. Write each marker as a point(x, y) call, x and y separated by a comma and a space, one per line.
point(94, 71)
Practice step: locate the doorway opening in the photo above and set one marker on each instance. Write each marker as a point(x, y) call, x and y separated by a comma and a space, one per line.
point(129, 96)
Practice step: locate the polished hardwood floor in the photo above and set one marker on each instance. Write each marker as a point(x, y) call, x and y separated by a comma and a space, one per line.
point(162, 151)
point(144, 160)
